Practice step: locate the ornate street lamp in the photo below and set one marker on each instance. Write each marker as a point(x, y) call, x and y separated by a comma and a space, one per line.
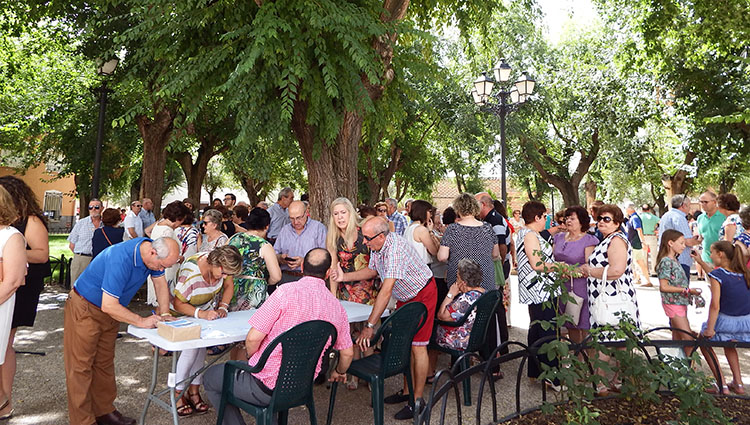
point(507, 100)
point(104, 69)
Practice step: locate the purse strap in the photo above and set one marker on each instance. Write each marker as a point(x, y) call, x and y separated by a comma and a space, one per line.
point(604, 280)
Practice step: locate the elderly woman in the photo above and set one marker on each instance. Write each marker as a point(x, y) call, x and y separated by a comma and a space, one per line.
point(203, 290)
point(13, 257)
point(533, 284)
point(32, 224)
point(574, 246)
point(475, 240)
point(109, 234)
point(213, 236)
point(381, 208)
point(172, 217)
point(461, 296)
point(346, 245)
point(614, 254)
point(732, 226)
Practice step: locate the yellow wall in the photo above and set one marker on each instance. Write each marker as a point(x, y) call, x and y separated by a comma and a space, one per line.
point(40, 181)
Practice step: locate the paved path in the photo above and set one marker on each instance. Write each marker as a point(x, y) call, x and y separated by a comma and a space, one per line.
point(40, 397)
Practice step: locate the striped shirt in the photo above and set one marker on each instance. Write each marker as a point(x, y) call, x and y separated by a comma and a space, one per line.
point(191, 286)
point(289, 305)
point(399, 222)
point(398, 260)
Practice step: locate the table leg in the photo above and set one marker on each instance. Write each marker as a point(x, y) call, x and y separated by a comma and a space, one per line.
point(151, 388)
point(171, 382)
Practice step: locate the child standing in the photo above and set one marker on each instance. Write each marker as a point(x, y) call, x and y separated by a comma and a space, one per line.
point(675, 286)
point(729, 313)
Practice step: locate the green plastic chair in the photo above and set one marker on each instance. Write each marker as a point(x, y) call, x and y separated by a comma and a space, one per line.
point(484, 306)
point(301, 349)
point(394, 358)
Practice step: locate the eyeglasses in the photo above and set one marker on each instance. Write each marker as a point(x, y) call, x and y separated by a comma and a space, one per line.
point(604, 219)
point(94, 207)
point(382, 210)
point(370, 238)
point(223, 273)
point(227, 199)
point(138, 205)
point(295, 219)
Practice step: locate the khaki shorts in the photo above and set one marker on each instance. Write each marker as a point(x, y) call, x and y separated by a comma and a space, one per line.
point(639, 254)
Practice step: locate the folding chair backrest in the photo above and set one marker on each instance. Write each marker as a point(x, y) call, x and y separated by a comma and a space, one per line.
point(301, 349)
point(484, 307)
point(398, 333)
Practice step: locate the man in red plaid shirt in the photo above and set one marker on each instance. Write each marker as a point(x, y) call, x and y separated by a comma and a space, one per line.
point(408, 279)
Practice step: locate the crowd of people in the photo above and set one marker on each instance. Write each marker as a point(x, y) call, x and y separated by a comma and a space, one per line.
point(232, 257)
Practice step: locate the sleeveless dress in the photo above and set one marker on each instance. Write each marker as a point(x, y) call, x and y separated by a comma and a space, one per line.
point(6, 308)
point(351, 259)
point(251, 285)
point(733, 322)
point(418, 246)
point(27, 296)
point(599, 259)
point(574, 253)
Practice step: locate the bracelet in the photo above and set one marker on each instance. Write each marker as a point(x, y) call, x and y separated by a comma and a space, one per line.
point(224, 304)
point(337, 371)
point(195, 313)
point(223, 308)
point(165, 314)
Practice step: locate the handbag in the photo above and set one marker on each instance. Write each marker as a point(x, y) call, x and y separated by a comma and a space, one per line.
point(573, 307)
point(605, 306)
point(499, 273)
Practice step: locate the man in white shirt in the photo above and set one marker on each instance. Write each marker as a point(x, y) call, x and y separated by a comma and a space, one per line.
point(80, 239)
point(133, 224)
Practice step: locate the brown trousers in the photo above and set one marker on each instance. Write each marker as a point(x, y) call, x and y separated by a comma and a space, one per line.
point(89, 354)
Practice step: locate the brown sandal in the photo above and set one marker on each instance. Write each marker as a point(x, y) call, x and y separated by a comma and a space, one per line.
point(197, 402)
point(184, 409)
point(738, 389)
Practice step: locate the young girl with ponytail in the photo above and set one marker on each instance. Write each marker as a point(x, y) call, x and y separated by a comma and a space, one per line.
point(729, 313)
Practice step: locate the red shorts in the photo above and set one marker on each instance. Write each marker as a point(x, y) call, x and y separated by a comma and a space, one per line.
point(428, 297)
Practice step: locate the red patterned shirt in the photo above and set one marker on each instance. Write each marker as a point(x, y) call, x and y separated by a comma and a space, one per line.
point(398, 260)
point(289, 305)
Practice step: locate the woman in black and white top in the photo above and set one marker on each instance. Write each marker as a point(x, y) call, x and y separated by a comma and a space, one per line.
point(533, 286)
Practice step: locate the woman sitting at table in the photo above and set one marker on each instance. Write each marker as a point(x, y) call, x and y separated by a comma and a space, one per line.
point(203, 282)
point(461, 296)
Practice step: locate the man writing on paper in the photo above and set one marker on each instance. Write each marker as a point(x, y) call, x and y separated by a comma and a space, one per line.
point(95, 307)
point(289, 305)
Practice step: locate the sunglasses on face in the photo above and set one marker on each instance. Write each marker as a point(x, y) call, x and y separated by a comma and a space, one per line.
point(370, 238)
point(604, 219)
point(94, 207)
point(382, 210)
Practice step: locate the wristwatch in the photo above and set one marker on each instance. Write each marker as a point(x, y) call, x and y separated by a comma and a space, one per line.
point(370, 325)
point(449, 296)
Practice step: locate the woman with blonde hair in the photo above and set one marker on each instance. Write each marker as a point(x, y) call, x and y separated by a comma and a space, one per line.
point(12, 276)
point(348, 251)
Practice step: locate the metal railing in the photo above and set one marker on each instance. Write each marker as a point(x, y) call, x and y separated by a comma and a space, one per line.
point(447, 382)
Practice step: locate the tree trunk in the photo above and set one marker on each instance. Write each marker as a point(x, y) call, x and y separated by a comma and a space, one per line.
point(678, 182)
point(196, 171)
point(331, 169)
point(83, 198)
point(590, 188)
point(156, 134)
point(256, 190)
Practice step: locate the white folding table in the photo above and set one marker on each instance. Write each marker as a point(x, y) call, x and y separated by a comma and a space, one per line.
point(229, 330)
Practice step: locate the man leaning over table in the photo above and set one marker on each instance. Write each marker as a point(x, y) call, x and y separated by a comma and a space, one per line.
point(289, 305)
point(93, 312)
point(408, 279)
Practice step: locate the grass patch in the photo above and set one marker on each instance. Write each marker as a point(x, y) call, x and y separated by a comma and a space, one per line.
point(58, 245)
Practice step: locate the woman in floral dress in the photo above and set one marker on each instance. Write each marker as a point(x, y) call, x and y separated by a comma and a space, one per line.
point(346, 246)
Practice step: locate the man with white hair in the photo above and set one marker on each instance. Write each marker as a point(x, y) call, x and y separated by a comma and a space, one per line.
point(399, 221)
point(676, 219)
point(93, 312)
point(279, 213)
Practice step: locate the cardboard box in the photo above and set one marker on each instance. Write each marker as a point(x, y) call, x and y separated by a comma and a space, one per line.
point(179, 330)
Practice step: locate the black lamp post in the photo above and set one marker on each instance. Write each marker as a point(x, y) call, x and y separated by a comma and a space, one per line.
point(105, 69)
point(507, 100)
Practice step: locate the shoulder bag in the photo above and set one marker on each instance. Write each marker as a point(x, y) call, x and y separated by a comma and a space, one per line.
point(605, 306)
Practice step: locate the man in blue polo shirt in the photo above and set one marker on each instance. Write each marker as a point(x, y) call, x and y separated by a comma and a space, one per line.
point(95, 307)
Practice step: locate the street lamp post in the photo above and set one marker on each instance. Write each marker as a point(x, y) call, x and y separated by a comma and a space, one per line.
point(506, 101)
point(105, 69)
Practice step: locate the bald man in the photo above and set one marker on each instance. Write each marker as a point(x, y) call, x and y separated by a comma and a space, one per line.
point(296, 239)
point(93, 312)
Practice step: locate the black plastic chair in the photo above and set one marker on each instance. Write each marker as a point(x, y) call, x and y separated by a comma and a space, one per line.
point(394, 358)
point(485, 306)
point(301, 349)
